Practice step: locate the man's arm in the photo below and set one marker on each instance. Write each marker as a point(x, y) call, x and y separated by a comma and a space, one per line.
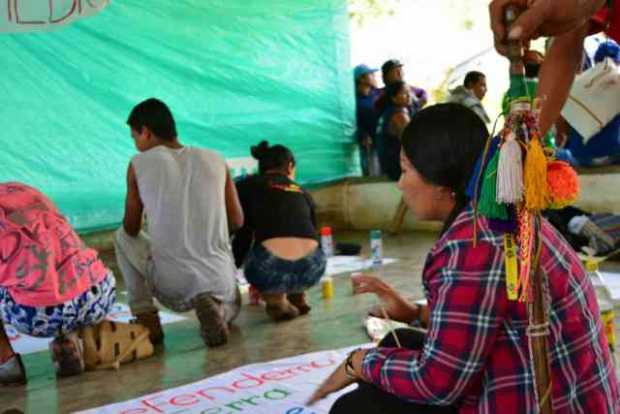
point(132, 222)
point(234, 212)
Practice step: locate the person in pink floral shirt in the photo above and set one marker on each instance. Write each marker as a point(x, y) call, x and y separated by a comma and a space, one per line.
point(51, 284)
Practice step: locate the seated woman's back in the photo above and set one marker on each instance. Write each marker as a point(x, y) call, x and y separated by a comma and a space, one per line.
point(279, 214)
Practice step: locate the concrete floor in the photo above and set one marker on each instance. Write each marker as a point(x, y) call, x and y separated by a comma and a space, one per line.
point(331, 324)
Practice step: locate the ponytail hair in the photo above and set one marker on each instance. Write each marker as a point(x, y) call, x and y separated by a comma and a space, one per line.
point(272, 158)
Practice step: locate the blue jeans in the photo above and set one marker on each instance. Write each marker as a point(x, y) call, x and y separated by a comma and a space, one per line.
point(271, 274)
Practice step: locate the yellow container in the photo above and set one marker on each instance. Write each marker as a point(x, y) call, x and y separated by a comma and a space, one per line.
point(607, 318)
point(327, 287)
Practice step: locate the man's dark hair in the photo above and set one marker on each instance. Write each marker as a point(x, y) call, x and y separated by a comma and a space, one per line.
point(156, 116)
point(472, 78)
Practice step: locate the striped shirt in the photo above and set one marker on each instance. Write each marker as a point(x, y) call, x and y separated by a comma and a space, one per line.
point(476, 351)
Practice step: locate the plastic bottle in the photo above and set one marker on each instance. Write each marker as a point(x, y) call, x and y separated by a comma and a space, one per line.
point(327, 242)
point(605, 302)
point(327, 287)
point(376, 249)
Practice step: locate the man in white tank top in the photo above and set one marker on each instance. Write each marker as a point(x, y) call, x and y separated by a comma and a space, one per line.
point(184, 259)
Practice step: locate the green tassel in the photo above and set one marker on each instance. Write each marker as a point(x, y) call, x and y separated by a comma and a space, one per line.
point(487, 204)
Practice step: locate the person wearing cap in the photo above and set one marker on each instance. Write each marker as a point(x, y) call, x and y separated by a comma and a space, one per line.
point(392, 71)
point(366, 93)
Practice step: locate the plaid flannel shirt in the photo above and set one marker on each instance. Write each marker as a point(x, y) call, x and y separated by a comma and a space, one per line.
point(476, 353)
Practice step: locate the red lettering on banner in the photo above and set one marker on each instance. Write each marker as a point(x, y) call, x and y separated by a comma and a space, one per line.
point(302, 368)
point(257, 381)
point(184, 400)
point(203, 393)
point(329, 363)
point(152, 405)
point(247, 381)
point(277, 375)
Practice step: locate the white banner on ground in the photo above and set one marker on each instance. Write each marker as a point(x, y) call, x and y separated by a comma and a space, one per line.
point(25, 344)
point(277, 387)
point(38, 15)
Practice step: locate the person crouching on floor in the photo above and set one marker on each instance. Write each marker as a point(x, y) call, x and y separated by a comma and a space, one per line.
point(191, 204)
point(279, 239)
point(51, 284)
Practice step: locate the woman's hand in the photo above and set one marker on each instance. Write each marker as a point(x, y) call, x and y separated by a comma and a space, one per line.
point(395, 305)
point(339, 378)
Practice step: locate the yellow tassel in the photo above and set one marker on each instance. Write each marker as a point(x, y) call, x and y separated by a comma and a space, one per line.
point(535, 177)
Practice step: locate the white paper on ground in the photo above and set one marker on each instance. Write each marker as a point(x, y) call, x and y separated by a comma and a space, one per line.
point(25, 344)
point(276, 387)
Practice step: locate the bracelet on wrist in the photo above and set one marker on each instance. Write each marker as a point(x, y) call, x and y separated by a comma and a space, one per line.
point(349, 370)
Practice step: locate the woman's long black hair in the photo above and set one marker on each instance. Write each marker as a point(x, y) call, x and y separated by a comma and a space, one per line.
point(443, 143)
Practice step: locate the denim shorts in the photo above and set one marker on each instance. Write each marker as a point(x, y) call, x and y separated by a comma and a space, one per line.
point(271, 274)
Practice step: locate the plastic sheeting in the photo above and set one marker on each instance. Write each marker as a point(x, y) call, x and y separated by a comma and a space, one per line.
point(233, 72)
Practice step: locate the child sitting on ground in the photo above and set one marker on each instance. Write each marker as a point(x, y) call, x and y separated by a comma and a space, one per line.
point(279, 238)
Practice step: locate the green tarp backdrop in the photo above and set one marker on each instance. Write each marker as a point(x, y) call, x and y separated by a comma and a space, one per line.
point(233, 72)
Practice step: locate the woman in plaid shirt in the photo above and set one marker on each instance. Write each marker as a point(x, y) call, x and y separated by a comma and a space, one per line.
point(475, 356)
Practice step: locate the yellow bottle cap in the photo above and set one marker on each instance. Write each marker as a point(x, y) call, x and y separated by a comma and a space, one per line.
point(591, 265)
